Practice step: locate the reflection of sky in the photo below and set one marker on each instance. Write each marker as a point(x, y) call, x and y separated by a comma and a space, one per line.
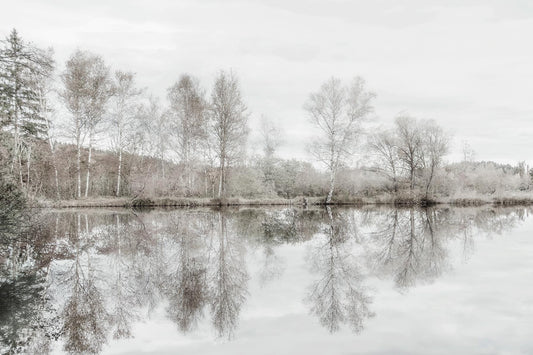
point(481, 306)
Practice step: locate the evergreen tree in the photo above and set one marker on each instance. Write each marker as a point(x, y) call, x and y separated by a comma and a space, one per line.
point(22, 68)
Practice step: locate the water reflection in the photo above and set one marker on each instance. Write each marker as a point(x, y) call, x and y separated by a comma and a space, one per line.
point(77, 280)
point(187, 289)
point(338, 295)
point(411, 245)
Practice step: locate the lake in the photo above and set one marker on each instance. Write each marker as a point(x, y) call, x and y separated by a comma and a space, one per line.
point(370, 280)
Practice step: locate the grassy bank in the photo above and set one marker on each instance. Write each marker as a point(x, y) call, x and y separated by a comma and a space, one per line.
point(177, 202)
point(523, 199)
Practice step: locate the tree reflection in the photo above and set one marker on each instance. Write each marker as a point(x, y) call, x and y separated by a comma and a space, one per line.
point(411, 244)
point(279, 227)
point(206, 269)
point(338, 296)
point(83, 277)
point(410, 247)
point(228, 279)
point(85, 319)
point(27, 318)
point(187, 291)
point(123, 293)
point(418, 253)
point(25, 315)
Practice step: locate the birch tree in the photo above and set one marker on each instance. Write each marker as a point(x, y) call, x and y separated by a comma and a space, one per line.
point(338, 112)
point(123, 113)
point(229, 124)
point(160, 131)
point(100, 91)
point(188, 116)
point(86, 90)
point(44, 90)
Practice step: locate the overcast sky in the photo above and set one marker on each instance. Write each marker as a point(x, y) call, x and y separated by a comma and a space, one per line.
point(466, 64)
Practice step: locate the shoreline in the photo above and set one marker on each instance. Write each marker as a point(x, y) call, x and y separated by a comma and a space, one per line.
point(126, 202)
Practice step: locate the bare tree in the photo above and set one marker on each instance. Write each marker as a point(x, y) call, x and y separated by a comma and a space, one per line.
point(271, 138)
point(229, 123)
point(435, 147)
point(385, 146)
point(469, 154)
point(410, 146)
point(159, 133)
point(85, 94)
point(338, 112)
point(99, 93)
point(124, 110)
point(73, 97)
point(421, 145)
point(188, 115)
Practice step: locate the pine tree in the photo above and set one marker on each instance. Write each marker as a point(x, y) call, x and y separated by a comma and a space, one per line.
point(22, 67)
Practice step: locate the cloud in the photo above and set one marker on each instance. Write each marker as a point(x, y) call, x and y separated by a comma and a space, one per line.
point(462, 64)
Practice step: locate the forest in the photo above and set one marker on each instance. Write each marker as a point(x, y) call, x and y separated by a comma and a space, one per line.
point(84, 132)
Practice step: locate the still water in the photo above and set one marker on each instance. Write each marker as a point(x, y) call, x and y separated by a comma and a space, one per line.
point(271, 281)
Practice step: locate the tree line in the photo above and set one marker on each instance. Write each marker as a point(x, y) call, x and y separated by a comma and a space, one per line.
point(89, 130)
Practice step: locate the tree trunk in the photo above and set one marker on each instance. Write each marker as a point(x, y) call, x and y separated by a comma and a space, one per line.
point(331, 186)
point(412, 178)
point(54, 164)
point(78, 166)
point(16, 153)
point(394, 179)
point(205, 182)
point(188, 173)
point(221, 174)
point(119, 171)
point(42, 103)
point(222, 179)
point(58, 194)
point(430, 179)
point(89, 164)
point(28, 165)
point(19, 164)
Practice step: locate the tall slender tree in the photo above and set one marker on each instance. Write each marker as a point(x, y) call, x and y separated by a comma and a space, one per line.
point(435, 147)
point(123, 113)
point(86, 92)
point(229, 124)
point(45, 88)
point(270, 139)
point(160, 131)
point(187, 112)
point(338, 112)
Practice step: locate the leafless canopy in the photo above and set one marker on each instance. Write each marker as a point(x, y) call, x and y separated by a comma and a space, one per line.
point(338, 112)
point(229, 123)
